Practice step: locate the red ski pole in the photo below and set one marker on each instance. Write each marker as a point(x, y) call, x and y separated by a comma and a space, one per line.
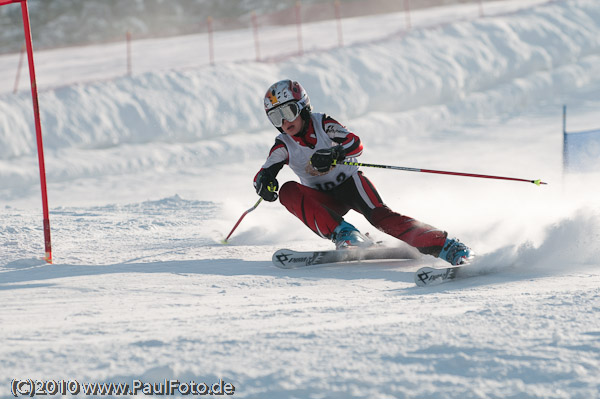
point(441, 172)
point(271, 187)
point(240, 220)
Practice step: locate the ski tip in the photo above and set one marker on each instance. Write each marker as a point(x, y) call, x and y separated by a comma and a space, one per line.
point(422, 275)
point(280, 259)
point(428, 276)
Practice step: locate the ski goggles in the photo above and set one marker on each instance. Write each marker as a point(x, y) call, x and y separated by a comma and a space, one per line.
point(289, 112)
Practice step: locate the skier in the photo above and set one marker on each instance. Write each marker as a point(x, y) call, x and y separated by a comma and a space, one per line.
point(313, 145)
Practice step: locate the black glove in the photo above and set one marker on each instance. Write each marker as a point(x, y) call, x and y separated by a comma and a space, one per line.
point(266, 185)
point(322, 160)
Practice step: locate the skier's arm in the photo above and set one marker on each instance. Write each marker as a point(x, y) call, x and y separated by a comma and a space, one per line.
point(265, 181)
point(338, 133)
point(348, 145)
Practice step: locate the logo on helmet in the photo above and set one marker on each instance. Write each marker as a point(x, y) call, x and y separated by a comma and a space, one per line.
point(273, 98)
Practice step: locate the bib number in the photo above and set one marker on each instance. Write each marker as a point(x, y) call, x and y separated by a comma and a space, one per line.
point(340, 178)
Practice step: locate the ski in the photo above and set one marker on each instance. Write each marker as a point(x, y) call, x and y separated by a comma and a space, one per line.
point(428, 276)
point(289, 259)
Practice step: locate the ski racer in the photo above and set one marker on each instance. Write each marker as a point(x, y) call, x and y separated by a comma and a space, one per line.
point(314, 145)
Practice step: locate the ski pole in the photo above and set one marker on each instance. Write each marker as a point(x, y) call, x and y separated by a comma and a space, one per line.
point(240, 219)
point(272, 188)
point(441, 172)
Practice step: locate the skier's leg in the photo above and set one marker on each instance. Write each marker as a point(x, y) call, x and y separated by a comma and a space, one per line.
point(427, 239)
point(365, 199)
point(316, 209)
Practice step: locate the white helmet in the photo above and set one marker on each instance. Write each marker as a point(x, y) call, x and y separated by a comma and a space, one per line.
point(286, 92)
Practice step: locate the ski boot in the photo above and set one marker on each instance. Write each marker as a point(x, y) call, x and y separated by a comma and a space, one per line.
point(347, 236)
point(455, 252)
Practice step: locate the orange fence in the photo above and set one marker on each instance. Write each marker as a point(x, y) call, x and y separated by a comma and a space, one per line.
point(260, 28)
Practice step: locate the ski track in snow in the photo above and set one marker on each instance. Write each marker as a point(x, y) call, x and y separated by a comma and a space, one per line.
point(147, 174)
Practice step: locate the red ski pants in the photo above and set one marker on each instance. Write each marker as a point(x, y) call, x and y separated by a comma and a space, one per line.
point(323, 211)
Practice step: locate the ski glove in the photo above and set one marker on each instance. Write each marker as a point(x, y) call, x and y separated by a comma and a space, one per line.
point(266, 185)
point(322, 160)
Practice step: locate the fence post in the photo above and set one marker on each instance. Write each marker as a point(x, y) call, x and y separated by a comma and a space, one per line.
point(256, 41)
point(299, 27)
point(407, 14)
point(128, 49)
point(18, 77)
point(211, 52)
point(338, 17)
point(481, 15)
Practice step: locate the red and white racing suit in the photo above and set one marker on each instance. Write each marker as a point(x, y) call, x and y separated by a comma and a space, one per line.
point(322, 199)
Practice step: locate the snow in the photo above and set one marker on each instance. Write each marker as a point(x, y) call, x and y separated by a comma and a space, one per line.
point(146, 174)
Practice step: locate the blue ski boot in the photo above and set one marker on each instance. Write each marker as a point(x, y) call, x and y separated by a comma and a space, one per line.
point(455, 252)
point(347, 236)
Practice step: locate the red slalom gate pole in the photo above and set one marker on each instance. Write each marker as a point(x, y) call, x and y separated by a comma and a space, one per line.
point(441, 172)
point(38, 131)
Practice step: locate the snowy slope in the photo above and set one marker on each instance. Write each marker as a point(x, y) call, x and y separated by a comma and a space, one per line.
point(146, 174)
